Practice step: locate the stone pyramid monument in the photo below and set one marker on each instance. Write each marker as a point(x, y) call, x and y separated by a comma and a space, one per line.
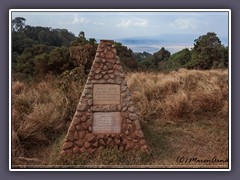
point(105, 115)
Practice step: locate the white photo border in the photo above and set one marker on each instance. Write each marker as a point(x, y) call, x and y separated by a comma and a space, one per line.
point(119, 10)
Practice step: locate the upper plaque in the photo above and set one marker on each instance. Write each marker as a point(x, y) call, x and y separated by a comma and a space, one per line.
point(106, 94)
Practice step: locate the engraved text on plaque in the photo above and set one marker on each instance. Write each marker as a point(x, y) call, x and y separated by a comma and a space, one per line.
point(106, 122)
point(106, 94)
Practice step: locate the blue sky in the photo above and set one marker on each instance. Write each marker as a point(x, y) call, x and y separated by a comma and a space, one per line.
point(114, 25)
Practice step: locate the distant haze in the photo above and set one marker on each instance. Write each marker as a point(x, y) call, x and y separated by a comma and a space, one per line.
point(171, 42)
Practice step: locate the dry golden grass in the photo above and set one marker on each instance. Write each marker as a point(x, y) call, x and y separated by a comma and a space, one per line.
point(17, 87)
point(41, 112)
point(179, 95)
point(183, 113)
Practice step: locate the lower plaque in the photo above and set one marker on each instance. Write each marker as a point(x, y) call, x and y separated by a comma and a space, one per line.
point(106, 122)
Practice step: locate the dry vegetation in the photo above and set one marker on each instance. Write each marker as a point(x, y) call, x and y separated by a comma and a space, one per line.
point(183, 113)
point(179, 95)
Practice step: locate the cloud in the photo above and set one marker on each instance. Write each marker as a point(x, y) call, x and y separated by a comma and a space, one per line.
point(99, 23)
point(141, 22)
point(124, 23)
point(185, 23)
point(79, 20)
point(137, 22)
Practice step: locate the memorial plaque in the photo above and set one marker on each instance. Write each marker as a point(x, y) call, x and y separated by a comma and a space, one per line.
point(106, 94)
point(105, 115)
point(106, 122)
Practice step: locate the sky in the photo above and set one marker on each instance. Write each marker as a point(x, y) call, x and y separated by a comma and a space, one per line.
point(114, 25)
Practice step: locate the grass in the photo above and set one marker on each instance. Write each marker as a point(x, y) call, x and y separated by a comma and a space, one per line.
point(183, 114)
point(179, 95)
point(41, 113)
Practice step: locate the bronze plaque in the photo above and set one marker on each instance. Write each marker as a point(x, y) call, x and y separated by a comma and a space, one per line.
point(106, 94)
point(106, 122)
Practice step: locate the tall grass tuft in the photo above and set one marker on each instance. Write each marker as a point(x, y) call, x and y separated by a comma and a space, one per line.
point(179, 95)
point(41, 112)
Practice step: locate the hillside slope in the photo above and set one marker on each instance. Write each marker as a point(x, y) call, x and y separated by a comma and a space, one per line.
point(184, 115)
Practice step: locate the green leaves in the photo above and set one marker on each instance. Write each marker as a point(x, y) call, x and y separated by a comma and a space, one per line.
point(43, 50)
point(18, 23)
point(59, 60)
point(126, 56)
point(162, 55)
point(179, 59)
point(208, 53)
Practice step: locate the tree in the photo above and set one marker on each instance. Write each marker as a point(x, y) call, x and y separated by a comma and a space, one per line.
point(81, 37)
point(225, 53)
point(161, 55)
point(179, 59)
point(182, 57)
point(82, 55)
point(65, 36)
point(25, 63)
point(126, 56)
point(141, 56)
point(41, 63)
point(59, 60)
point(92, 41)
point(159, 59)
point(81, 34)
point(35, 41)
point(80, 40)
point(18, 23)
point(146, 64)
point(207, 52)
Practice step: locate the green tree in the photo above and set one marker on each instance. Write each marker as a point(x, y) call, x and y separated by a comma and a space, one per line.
point(65, 36)
point(25, 62)
point(59, 60)
point(92, 41)
point(225, 53)
point(179, 59)
point(30, 41)
point(161, 55)
point(18, 23)
point(207, 52)
point(81, 34)
point(80, 40)
point(142, 56)
point(81, 37)
point(126, 56)
point(158, 60)
point(147, 65)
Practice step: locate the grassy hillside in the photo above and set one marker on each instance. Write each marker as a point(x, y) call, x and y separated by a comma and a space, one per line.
point(183, 114)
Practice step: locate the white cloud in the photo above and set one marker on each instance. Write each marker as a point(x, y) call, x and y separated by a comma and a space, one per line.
point(137, 22)
point(185, 23)
point(99, 23)
point(125, 23)
point(141, 22)
point(79, 20)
